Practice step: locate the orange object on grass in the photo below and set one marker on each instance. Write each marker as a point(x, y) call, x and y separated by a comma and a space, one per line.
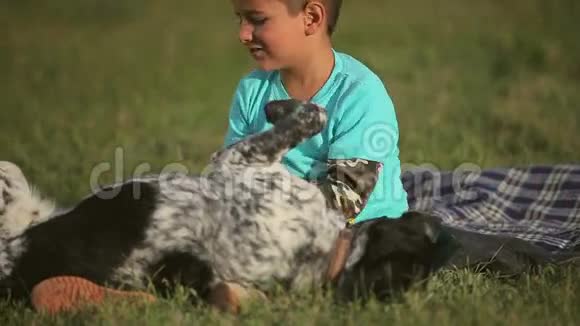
point(71, 293)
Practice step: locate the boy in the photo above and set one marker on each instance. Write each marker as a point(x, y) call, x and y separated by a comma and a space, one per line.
point(290, 41)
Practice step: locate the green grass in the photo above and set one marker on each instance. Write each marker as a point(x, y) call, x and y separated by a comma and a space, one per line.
point(451, 298)
point(489, 83)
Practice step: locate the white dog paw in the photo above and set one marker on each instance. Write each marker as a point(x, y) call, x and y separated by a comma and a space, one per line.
point(13, 184)
point(20, 206)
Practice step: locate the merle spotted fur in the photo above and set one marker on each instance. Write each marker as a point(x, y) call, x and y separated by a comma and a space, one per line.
point(247, 221)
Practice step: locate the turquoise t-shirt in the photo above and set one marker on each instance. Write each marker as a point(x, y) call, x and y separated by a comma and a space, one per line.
point(361, 124)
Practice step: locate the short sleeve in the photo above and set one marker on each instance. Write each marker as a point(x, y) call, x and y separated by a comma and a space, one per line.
point(366, 125)
point(238, 125)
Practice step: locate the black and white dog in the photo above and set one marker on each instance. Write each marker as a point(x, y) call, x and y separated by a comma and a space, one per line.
point(247, 221)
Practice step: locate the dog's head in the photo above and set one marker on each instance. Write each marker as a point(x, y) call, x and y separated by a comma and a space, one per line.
point(389, 255)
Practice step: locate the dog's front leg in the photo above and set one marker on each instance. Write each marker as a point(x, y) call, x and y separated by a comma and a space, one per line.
point(305, 121)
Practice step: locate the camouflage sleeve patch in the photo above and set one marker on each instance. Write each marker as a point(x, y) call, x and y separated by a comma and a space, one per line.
point(349, 183)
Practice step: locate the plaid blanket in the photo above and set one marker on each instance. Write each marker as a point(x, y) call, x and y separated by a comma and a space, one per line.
point(540, 204)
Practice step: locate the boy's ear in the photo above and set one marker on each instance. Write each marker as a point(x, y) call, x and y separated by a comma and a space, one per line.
point(314, 17)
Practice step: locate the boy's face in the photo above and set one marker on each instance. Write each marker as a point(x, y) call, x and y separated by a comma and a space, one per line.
point(273, 36)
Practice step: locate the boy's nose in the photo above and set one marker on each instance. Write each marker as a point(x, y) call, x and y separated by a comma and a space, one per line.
point(246, 33)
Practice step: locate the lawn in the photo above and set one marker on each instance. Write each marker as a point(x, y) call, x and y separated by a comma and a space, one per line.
point(146, 85)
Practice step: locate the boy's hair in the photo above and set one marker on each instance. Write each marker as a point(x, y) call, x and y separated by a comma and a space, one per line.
point(332, 8)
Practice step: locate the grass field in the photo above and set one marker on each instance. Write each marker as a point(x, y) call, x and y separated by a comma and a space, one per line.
point(490, 83)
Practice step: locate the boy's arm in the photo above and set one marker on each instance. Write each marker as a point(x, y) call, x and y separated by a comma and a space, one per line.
point(349, 183)
point(238, 126)
point(365, 135)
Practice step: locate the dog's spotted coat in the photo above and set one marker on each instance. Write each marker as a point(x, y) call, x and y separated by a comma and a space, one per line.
point(248, 220)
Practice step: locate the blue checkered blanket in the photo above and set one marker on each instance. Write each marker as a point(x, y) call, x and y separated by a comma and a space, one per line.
point(540, 204)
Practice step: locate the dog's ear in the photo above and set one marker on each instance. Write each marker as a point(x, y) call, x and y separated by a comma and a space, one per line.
point(432, 229)
point(429, 224)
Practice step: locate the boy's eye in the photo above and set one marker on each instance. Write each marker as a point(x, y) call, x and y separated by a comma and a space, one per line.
point(252, 19)
point(258, 20)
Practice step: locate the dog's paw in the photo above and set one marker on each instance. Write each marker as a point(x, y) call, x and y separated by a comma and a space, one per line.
point(311, 117)
point(230, 297)
point(13, 185)
point(300, 113)
point(281, 109)
point(20, 206)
